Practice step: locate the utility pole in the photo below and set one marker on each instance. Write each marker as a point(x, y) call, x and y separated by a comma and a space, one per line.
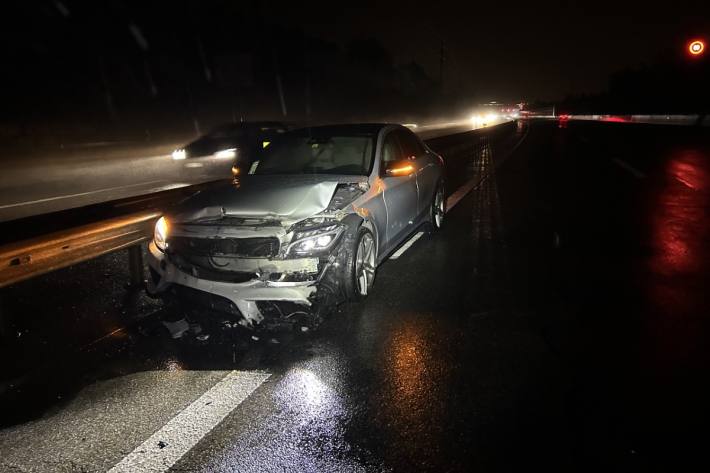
point(279, 85)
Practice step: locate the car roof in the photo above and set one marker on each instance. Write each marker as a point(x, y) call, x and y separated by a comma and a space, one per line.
point(247, 125)
point(356, 128)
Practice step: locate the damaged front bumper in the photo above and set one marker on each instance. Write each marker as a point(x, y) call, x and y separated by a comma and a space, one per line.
point(244, 295)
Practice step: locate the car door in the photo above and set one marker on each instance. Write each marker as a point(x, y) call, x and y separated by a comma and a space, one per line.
point(426, 169)
point(400, 193)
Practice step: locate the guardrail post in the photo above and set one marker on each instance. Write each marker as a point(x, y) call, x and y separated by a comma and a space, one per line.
point(135, 265)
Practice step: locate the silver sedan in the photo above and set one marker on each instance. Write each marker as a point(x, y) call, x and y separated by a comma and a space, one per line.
point(304, 227)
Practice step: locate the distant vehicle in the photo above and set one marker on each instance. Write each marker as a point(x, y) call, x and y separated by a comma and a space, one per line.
point(235, 141)
point(305, 228)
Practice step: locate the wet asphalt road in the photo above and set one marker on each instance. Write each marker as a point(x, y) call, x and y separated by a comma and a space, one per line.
point(558, 322)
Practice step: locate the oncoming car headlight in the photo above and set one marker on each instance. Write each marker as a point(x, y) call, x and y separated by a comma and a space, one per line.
point(160, 235)
point(226, 153)
point(308, 241)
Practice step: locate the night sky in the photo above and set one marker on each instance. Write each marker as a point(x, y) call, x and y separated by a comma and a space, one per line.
point(496, 50)
point(510, 49)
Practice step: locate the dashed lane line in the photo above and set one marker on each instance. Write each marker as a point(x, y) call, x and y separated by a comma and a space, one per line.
point(166, 446)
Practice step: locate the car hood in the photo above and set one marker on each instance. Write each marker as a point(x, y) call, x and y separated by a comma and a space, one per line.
point(288, 198)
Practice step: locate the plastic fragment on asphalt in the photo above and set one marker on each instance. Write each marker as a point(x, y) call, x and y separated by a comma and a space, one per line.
point(178, 328)
point(196, 328)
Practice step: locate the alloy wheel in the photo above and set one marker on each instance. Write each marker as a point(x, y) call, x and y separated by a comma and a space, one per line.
point(439, 210)
point(365, 264)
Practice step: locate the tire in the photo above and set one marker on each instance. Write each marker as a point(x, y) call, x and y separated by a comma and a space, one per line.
point(437, 210)
point(360, 269)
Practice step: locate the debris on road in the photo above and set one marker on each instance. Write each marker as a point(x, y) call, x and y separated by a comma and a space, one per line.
point(178, 328)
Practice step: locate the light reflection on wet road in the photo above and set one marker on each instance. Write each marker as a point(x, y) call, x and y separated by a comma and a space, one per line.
point(417, 379)
point(679, 226)
point(676, 281)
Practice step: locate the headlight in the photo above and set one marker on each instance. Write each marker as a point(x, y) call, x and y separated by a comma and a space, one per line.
point(179, 154)
point(226, 153)
point(160, 235)
point(308, 241)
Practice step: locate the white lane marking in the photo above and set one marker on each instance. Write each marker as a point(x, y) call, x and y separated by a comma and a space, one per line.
point(406, 246)
point(456, 197)
point(166, 446)
point(69, 196)
point(624, 165)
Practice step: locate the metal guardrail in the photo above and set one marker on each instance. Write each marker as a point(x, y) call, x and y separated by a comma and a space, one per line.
point(25, 259)
point(679, 120)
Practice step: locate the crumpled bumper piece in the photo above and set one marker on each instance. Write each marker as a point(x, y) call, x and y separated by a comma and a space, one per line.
point(243, 295)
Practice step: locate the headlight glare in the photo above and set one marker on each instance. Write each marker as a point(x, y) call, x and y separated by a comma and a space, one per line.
point(314, 240)
point(226, 153)
point(160, 235)
point(324, 240)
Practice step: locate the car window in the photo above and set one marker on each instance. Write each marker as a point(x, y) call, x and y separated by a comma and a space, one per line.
point(391, 150)
point(410, 144)
point(296, 153)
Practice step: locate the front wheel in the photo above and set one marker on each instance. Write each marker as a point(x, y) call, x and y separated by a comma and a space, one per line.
point(438, 208)
point(361, 265)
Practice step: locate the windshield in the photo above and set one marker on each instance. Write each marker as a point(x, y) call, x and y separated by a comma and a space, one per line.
point(300, 153)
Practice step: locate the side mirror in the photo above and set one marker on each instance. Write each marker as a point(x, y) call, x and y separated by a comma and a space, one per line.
point(399, 168)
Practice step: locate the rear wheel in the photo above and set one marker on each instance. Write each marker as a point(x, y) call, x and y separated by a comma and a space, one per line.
point(438, 208)
point(361, 273)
